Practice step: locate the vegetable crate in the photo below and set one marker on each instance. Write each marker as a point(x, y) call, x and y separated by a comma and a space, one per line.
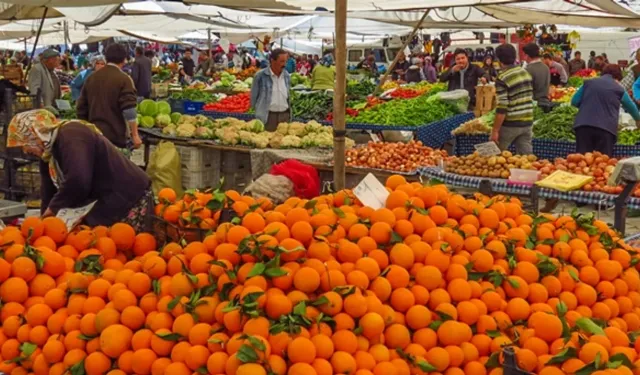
point(542, 148)
point(192, 108)
point(486, 99)
point(166, 232)
point(197, 159)
point(220, 115)
point(177, 105)
point(159, 90)
point(203, 179)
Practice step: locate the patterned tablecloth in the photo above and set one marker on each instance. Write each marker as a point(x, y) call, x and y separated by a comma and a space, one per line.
point(502, 186)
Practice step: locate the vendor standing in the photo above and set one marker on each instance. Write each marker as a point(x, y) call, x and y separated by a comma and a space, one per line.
point(324, 74)
point(599, 102)
point(270, 91)
point(108, 99)
point(79, 166)
point(559, 75)
point(186, 67)
point(577, 64)
point(43, 78)
point(514, 112)
point(141, 74)
point(464, 75)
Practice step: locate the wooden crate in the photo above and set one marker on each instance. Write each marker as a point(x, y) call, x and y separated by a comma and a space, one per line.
point(485, 99)
point(13, 73)
point(159, 90)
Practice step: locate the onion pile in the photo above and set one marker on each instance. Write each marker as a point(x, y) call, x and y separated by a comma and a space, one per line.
point(399, 157)
point(594, 164)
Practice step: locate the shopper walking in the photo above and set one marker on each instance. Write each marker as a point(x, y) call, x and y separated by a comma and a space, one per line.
point(43, 78)
point(323, 76)
point(97, 62)
point(599, 101)
point(540, 75)
point(186, 67)
point(108, 100)
point(79, 166)
point(514, 113)
point(141, 74)
point(270, 91)
point(464, 75)
point(430, 73)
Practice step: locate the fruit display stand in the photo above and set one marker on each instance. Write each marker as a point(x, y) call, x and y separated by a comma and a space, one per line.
point(542, 148)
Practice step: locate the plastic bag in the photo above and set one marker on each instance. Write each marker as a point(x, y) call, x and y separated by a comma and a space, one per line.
point(277, 188)
point(165, 169)
point(458, 98)
point(305, 178)
point(564, 181)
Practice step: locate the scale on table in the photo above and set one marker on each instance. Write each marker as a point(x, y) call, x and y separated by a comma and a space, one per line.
point(627, 173)
point(10, 209)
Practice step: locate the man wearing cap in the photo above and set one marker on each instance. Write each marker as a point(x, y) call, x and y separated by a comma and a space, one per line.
point(43, 79)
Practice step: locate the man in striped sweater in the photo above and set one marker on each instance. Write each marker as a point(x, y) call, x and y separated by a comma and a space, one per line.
point(514, 113)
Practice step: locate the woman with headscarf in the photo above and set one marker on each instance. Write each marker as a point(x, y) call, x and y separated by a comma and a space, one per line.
point(97, 62)
point(430, 72)
point(80, 166)
point(324, 74)
point(489, 68)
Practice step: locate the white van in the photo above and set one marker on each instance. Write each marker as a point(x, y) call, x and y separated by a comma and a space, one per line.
point(384, 55)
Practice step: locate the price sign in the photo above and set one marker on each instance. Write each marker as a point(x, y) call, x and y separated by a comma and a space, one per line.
point(371, 192)
point(73, 216)
point(487, 149)
point(374, 136)
point(63, 105)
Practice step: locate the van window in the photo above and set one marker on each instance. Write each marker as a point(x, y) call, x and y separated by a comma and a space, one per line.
point(378, 53)
point(355, 55)
point(391, 53)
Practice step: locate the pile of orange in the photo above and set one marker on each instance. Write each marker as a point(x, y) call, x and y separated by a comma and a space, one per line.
point(434, 283)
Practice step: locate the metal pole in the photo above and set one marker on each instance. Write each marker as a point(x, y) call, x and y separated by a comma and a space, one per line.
point(339, 97)
point(35, 44)
point(395, 60)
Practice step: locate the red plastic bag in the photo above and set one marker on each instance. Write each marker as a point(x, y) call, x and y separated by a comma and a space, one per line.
point(305, 178)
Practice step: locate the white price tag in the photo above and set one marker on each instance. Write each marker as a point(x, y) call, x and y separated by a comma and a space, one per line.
point(63, 105)
point(73, 216)
point(374, 136)
point(487, 149)
point(371, 192)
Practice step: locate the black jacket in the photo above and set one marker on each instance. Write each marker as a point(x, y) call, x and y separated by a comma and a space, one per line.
point(471, 78)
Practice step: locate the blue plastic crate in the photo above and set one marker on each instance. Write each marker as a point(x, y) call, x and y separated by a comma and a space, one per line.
point(177, 105)
point(192, 108)
point(220, 115)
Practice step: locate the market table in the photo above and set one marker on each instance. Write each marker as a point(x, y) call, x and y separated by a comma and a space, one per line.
point(542, 148)
point(502, 186)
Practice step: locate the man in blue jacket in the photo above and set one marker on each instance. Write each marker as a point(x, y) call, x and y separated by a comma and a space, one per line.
point(599, 102)
point(270, 92)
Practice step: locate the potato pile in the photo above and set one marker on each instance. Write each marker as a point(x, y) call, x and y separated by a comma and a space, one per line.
point(494, 166)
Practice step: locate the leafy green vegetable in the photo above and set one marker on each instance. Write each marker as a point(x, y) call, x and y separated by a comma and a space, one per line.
point(411, 112)
point(148, 107)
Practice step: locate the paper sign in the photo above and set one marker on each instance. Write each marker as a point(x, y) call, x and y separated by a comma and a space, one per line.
point(487, 149)
point(73, 216)
point(371, 192)
point(224, 44)
point(63, 105)
point(374, 136)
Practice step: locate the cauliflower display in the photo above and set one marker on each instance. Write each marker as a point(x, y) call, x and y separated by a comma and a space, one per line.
point(245, 137)
point(323, 139)
point(261, 140)
point(308, 141)
point(163, 120)
point(187, 119)
point(349, 143)
point(186, 130)
point(296, 128)
point(227, 136)
point(169, 130)
point(204, 132)
point(290, 141)
point(313, 127)
point(276, 140)
point(283, 128)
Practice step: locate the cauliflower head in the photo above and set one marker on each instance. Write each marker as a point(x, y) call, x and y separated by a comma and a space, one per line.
point(283, 128)
point(169, 130)
point(186, 130)
point(291, 141)
point(276, 140)
point(312, 127)
point(296, 128)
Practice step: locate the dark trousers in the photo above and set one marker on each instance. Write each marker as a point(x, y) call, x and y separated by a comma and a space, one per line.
point(589, 139)
point(276, 118)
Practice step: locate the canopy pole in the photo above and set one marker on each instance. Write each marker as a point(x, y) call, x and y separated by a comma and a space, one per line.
point(395, 60)
point(210, 52)
point(339, 131)
point(35, 44)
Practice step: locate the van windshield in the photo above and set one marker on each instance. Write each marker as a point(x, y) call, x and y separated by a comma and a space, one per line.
point(392, 52)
